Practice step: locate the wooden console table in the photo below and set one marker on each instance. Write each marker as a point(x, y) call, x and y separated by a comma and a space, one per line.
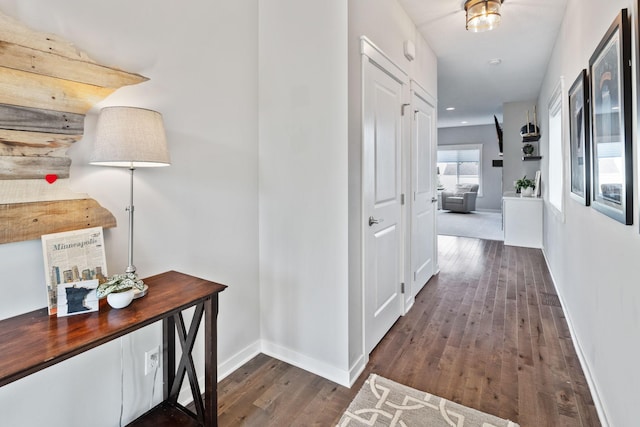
point(34, 341)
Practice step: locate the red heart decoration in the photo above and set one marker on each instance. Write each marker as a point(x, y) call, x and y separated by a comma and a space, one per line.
point(51, 178)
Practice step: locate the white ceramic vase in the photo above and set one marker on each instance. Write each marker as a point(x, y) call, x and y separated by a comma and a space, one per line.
point(120, 299)
point(526, 192)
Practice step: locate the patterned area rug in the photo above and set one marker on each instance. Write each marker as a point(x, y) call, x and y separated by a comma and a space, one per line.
point(382, 402)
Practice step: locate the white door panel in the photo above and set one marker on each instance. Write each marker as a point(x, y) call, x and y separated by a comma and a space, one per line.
point(423, 268)
point(385, 141)
point(423, 148)
point(386, 240)
point(423, 158)
point(382, 210)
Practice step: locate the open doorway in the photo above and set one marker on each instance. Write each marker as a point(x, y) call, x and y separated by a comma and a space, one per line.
point(469, 182)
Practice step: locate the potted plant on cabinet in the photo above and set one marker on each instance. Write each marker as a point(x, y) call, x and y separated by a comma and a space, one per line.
point(119, 289)
point(525, 186)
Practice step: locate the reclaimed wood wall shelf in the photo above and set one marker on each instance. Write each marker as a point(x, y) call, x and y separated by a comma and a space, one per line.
point(32, 220)
point(46, 88)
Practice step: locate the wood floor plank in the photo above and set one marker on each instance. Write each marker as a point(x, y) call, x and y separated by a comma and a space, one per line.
point(480, 333)
point(490, 393)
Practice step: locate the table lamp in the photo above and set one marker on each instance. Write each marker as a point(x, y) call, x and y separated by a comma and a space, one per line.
point(130, 137)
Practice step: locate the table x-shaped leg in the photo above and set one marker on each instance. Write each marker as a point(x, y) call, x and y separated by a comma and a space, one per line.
point(176, 377)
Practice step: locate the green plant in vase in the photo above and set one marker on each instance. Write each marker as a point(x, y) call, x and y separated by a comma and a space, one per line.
point(525, 186)
point(119, 289)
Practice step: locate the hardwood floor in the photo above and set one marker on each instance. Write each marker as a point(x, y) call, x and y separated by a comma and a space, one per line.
point(487, 332)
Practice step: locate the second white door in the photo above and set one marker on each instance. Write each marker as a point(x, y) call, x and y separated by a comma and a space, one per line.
point(423, 206)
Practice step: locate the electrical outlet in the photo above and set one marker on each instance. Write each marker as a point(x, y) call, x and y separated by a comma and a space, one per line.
point(151, 360)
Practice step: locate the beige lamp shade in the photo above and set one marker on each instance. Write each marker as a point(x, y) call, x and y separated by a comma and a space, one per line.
point(130, 137)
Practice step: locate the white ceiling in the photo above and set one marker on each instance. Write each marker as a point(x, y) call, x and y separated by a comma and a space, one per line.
point(523, 41)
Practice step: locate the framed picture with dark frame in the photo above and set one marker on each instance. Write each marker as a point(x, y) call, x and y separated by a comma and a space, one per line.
point(579, 141)
point(636, 21)
point(611, 144)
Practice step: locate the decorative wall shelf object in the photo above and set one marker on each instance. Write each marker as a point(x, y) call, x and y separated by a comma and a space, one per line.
point(530, 134)
point(530, 138)
point(46, 87)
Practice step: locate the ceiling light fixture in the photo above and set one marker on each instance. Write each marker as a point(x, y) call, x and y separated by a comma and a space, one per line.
point(450, 108)
point(482, 15)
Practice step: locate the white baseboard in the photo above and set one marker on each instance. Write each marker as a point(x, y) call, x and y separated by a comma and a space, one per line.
point(224, 370)
point(227, 367)
point(597, 401)
point(357, 369)
point(344, 378)
point(307, 363)
point(408, 304)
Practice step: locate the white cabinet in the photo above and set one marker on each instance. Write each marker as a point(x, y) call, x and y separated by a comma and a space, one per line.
point(522, 217)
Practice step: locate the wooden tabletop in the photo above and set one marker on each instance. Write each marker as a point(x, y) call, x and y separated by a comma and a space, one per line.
point(33, 341)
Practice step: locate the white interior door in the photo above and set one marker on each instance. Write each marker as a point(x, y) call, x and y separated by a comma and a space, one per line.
point(424, 201)
point(382, 209)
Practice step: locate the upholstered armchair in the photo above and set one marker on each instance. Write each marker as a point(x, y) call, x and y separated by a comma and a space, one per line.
point(462, 199)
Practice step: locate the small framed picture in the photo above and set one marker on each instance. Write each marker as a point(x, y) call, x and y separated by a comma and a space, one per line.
point(611, 143)
point(579, 141)
point(77, 298)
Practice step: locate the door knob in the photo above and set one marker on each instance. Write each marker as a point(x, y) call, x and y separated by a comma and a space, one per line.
point(372, 221)
point(434, 199)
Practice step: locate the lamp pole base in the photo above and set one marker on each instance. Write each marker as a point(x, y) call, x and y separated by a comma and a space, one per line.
point(137, 293)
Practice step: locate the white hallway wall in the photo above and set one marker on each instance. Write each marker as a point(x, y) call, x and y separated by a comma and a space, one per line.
point(303, 183)
point(515, 116)
point(199, 216)
point(594, 259)
point(310, 170)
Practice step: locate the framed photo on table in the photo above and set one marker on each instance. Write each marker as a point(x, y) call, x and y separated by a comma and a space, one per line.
point(579, 141)
point(611, 150)
point(77, 298)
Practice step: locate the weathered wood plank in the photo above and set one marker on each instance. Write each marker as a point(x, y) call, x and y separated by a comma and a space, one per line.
point(36, 190)
point(16, 32)
point(23, 143)
point(50, 93)
point(14, 117)
point(12, 167)
point(53, 65)
point(31, 220)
